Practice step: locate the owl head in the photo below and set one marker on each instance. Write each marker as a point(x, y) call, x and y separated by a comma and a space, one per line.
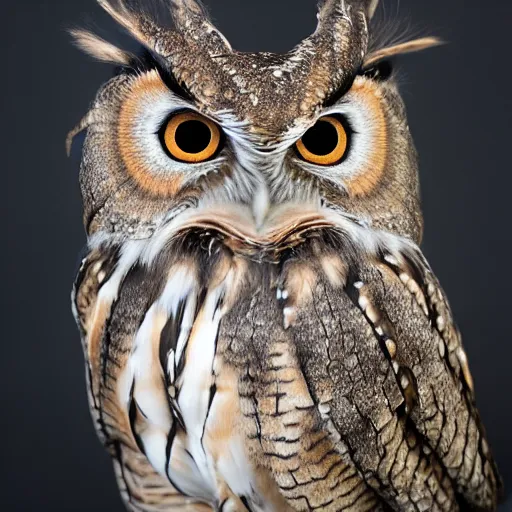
point(190, 123)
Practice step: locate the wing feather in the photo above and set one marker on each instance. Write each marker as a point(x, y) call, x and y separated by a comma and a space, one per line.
point(335, 380)
point(429, 347)
point(291, 434)
point(366, 402)
point(383, 352)
point(128, 386)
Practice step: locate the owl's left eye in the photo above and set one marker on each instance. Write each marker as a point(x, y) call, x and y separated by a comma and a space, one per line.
point(326, 143)
point(190, 137)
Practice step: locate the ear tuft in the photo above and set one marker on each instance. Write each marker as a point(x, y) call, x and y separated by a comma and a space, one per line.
point(139, 26)
point(415, 45)
point(100, 49)
point(190, 17)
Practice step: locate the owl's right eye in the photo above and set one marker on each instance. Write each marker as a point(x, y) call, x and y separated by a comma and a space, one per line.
point(326, 143)
point(190, 137)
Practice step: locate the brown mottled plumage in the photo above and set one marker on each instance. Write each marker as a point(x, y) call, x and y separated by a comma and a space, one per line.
point(261, 331)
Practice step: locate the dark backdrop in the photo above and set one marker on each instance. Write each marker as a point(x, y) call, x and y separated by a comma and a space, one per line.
point(459, 110)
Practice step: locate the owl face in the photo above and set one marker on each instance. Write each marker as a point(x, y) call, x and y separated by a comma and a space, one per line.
point(192, 123)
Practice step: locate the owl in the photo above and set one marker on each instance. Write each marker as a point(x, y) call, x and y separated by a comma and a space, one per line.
point(260, 328)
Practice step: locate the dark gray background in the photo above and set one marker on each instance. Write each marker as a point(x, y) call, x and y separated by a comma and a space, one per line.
point(459, 110)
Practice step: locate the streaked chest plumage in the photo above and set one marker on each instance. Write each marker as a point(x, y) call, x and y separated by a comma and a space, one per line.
point(265, 370)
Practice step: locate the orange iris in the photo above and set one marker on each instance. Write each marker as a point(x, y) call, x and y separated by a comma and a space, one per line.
point(192, 138)
point(325, 143)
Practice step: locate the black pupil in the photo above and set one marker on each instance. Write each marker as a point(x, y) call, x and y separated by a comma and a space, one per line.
point(193, 136)
point(322, 139)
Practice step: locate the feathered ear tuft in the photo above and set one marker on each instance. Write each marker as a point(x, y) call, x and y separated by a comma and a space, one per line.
point(137, 25)
point(415, 45)
point(191, 18)
point(100, 49)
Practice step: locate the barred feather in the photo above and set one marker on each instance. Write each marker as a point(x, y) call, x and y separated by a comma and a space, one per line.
point(219, 402)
